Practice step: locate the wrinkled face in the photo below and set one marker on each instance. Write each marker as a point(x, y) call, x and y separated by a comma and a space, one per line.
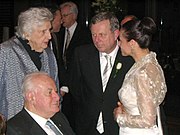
point(56, 23)
point(46, 98)
point(104, 39)
point(124, 44)
point(40, 37)
point(68, 18)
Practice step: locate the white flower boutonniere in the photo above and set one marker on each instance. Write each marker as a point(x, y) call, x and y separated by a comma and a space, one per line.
point(118, 67)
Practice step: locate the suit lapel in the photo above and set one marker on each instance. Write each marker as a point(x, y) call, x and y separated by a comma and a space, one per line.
point(61, 122)
point(61, 38)
point(25, 59)
point(74, 38)
point(60, 125)
point(37, 130)
point(95, 64)
point(34, 128)
point(115, 75)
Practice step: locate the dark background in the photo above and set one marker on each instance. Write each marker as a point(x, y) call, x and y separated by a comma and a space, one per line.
point(166, 42)
point(165, 11)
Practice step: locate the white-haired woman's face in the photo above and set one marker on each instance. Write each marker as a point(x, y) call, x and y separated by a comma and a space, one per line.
point(40, 36)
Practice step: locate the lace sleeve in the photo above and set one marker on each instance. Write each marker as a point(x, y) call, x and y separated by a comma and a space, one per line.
point(150, 88)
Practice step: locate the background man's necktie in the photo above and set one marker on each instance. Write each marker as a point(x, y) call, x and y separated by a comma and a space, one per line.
point(105, 77)
point(53, 128)
point(67, 39)
point(66, 46)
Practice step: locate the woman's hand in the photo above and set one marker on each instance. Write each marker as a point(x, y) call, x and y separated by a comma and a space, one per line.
point(118, 110)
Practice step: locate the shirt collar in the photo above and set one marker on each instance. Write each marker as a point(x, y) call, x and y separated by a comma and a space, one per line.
point(72, 28)
point(112, 54)
point(40, 120)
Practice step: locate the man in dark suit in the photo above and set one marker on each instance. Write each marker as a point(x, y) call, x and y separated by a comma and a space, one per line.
point(94, 99)
point(56, 25)
point(78, 35)
point(41, 104)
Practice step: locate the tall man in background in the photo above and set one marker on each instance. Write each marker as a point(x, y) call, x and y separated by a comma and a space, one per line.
point(71, 36)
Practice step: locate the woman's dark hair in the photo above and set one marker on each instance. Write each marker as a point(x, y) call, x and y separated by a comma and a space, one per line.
point(140, 30)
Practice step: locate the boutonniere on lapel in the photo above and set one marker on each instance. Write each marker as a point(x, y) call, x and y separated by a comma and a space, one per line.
point(118, 67)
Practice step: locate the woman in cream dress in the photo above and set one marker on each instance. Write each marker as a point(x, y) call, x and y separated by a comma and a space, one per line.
point(144, 86)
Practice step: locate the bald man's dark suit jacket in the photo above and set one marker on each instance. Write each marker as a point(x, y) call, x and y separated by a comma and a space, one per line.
point(24, 124)
point(87, 91)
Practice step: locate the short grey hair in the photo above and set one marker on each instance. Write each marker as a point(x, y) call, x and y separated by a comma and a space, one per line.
point(28, 81)
point(72, 5)
point(34, 16)
point(114, 23)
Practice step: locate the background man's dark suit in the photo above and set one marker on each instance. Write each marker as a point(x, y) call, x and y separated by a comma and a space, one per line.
point(24, 124)
point(86, 88)
point(80, 37)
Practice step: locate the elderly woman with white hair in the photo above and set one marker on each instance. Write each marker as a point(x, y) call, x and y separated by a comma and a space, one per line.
point(26, 52)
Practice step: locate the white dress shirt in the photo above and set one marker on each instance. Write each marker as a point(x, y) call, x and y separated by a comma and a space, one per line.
point(42, 122)
point(103, 60)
